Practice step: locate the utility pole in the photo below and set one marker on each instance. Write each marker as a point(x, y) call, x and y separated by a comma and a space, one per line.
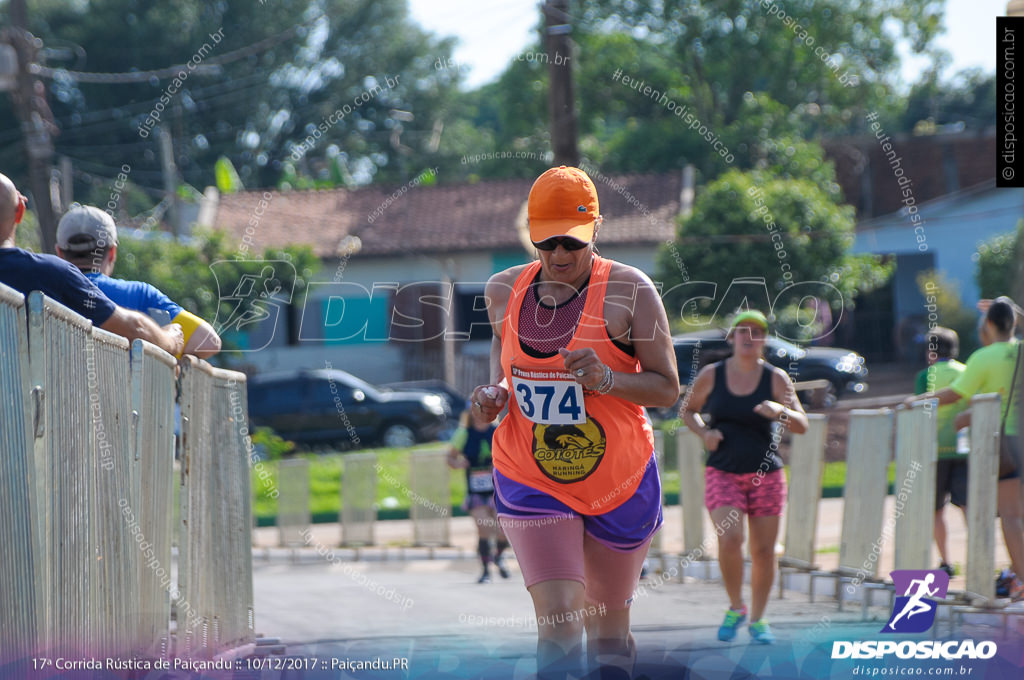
point(67, 184)
point(561, 104)
point(170, 172)
point(29, 99)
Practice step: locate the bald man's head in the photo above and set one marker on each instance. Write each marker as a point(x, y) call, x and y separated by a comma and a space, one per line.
point(10, 201)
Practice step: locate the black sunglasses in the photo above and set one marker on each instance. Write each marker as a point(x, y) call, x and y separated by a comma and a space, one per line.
point(566, 242)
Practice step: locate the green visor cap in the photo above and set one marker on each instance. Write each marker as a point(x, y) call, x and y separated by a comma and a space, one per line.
point(750, 315)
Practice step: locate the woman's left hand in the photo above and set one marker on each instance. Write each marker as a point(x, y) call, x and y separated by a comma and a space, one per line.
point(584, 365)
point(769, 409)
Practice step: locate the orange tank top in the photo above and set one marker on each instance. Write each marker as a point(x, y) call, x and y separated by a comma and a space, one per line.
point(577, 447)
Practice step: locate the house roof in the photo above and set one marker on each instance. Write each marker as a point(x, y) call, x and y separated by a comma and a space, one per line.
point(395, 221)
point(936, 165)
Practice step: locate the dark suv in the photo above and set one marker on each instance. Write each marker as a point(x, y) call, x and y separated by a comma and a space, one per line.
point(843, 369)
point(328, 406)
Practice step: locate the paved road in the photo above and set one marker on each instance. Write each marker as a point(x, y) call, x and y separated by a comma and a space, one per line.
point(434, 615)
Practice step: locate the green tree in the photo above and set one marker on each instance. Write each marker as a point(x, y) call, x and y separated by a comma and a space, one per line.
point(1001, 265)
point(786, 234)
point(795, 51)
point(747, 71)
point(276, 71)
point(968, 99)
point(950, 309)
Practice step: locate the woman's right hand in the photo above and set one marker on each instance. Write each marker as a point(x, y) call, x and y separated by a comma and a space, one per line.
point(489, 400)
point(712, 438)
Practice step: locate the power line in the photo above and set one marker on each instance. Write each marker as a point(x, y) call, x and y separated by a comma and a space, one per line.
point(142, 106)
point(134, 77)
point(99, 180)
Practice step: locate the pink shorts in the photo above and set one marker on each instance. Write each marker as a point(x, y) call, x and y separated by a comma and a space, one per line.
point(550, 548)
point(757, 495)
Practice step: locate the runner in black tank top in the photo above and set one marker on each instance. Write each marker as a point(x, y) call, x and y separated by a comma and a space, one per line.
point(747, 436)
point(743, 396)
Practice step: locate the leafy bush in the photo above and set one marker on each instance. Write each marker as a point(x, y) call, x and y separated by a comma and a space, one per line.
point(269, 446)
point(1001, 265)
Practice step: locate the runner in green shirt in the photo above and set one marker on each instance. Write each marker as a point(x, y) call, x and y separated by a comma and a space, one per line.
point(951, 472)
point(991, 369)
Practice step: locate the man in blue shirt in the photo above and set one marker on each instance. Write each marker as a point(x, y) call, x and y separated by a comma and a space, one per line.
point(87, 238)
point(26, 271)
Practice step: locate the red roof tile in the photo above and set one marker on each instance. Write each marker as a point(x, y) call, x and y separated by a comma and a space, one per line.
point(638, 209)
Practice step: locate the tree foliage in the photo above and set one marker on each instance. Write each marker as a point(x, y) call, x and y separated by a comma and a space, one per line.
point(784, 231)
point(965, 101)
point(748, 72)
point(795, 51)
point(949, 308)
point(1001, 265)
point(288, 66)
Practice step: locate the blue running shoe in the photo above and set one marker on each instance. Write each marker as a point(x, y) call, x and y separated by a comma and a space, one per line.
point(761, 632)
point(733, 619)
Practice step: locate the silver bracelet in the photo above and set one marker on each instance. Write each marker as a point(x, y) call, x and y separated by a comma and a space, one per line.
point(607, 383)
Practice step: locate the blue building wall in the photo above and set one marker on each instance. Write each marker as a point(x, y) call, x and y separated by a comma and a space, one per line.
point(954, 227)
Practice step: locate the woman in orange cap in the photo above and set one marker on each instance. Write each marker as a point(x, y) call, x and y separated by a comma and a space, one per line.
point(580, 345)
point(743, 396)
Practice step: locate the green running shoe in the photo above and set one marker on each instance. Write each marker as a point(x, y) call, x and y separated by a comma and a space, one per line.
point(762, 632)
point(733, 619)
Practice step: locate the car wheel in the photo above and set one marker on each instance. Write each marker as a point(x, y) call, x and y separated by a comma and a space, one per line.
point(398, 436)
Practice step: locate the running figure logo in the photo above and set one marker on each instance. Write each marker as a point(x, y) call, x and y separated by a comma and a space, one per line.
point(914, 611)
point(253, 299)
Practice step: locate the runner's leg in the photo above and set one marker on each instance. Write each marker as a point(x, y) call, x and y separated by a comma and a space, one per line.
point(1009, 503)
point(612, 577)
point(729, 521)
point(763, 533)
point(550, 555)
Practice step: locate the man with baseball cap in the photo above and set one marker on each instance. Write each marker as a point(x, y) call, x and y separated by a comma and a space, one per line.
point(87, 238)
point(26, 271)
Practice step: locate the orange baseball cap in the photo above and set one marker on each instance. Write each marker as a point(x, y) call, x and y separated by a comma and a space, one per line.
point(563, 202)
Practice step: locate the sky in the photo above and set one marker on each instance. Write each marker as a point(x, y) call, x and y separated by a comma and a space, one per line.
point(491, 33)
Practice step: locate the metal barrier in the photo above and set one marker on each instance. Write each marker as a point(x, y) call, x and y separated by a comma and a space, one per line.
point(869, 446)
point(358, 499)
point(430, 497)
point(86, 492)
point(20, 598)
point(214, 608)
point(293, 514)
point(152, 379)
point(65, 467)
point(233, 449)
point(690, 453)
point(806, 469)
point(982, 475)
point(914, 511)
point(114, 494)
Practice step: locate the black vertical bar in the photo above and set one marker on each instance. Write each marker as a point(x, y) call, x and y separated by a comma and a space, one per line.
point(1009, 157)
